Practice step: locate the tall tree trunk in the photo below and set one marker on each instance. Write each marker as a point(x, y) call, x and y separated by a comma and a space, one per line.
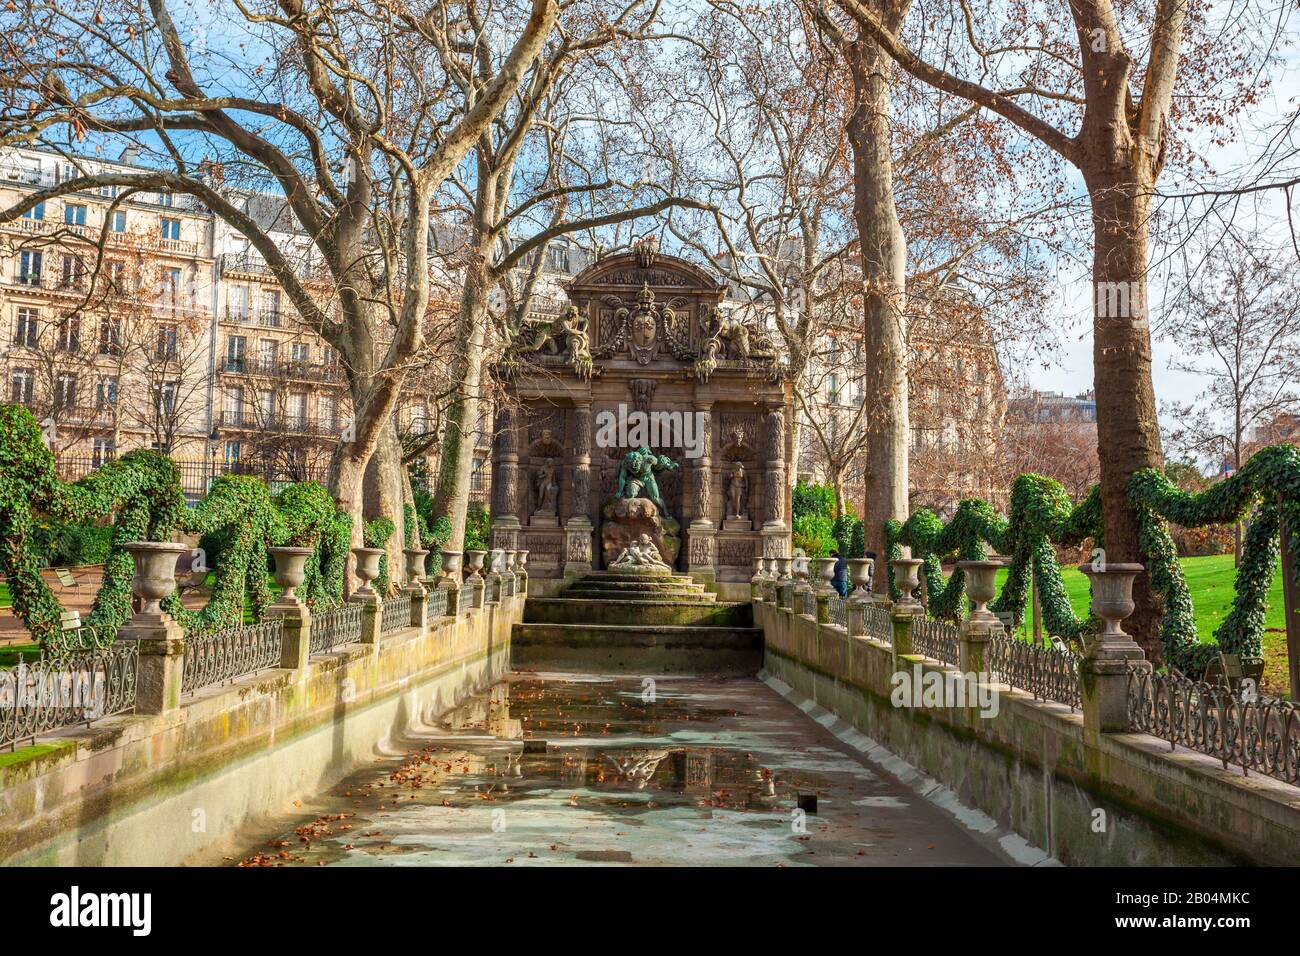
point(884, 332)
point(383, 497)
point(1128, 433)
point(451, 496)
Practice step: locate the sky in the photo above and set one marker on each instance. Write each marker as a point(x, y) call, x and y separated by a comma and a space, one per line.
point(1070, 372)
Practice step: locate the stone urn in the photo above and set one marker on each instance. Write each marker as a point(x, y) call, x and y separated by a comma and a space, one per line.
point(860, 575)
point(155, 574)
point(826, 574)
point(769, 567)
point(907, 578)
point(981, 585)
point(290, 571)
point(475, 566)
point(496, 561)
point(783, 569)
point(1112, 599)
point(451, 565)
point(522, 562)
point(801, 573)
point(367, 567)
point(759, 575)
point(415, 558)
point(512, 557)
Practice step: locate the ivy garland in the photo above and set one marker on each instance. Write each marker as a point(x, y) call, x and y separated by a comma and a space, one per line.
point(1041, 516)
point(142, 493)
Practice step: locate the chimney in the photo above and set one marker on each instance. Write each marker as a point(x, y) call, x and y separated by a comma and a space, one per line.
point(130, 155)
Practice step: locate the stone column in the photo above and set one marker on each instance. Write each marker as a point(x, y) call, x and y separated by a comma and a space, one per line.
point(160, 639)
point(290, 572)
point(982, 625)
point(1104, 670)
point(908, 607)
point(578, 528)
point(775, 532)
point(701, 533)
point(415, 558)
point(505, 479)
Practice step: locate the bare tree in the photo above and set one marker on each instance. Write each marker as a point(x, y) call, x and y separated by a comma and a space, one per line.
point(356, 122)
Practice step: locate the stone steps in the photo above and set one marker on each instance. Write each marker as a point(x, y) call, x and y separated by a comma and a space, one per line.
point(677, 595)
point(599, 612)
point(673, 585)
point(637, 649)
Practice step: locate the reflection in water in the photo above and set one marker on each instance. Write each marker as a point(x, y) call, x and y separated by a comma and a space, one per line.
point(578, 769)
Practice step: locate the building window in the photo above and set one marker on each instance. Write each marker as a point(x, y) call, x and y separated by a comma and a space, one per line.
point(108, 192)
point(166, 341)
point(106, 390)
point(101, 451)
point(267, 349)
point(110, 337)
point(238, 309)
point(116, 274)
point(29, 267)
point(74, 214)
point(36, 213)
point(117, 221)
point(169, 286)
point(65, 390)
point(167, 399)
point(70, 334)
point(298, 409)
point(329, 411)
point(232, 453)
point(171, 228)
point(299, 353)
point(22, 386)
point(27, 327)
point(166, 199)
point(271, 316)
point(236, 346)
point(74, 271)
point(233, 412)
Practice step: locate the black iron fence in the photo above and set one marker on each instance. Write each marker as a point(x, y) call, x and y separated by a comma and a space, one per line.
point(221, 656)
point(1236, 726)
point(75, 688)
point(335, 628)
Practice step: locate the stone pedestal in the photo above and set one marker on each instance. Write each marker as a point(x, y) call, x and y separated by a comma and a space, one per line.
point(701, 548)
point(370, 620)
point(295, 648)
point(162, 664)
point(737, 524)
point(577, 546)
point(902, 616)
point(624, 520)
point(1104, 670)
point(974, 639)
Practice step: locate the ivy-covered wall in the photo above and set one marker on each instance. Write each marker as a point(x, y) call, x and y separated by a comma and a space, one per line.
point(1041, 515)
point(141, 494)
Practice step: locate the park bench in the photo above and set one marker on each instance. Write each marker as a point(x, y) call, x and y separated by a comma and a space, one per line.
point(1231, 670)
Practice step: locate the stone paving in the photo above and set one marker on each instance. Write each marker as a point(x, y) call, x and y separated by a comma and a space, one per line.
point(621, 770)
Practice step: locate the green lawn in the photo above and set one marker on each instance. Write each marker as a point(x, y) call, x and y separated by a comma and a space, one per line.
point(1210, 581)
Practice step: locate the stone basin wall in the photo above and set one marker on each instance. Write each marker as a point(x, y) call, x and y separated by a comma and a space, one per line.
point(161, 790)
point(1085, 798)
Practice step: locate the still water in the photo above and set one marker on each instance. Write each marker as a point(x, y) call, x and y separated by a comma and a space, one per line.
point(565, 769)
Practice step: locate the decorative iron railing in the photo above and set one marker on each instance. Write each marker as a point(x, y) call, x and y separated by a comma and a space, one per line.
point(877, 623)
point(808, 603)
point(395, 614)
point(465, 598)
point(1046, 672)
point(225, 655)
point(77, 687)
point(936, 639)
point(835, 607)
point(336, 628)
point(437, 602)
point(489, 591)
point(1235, 727)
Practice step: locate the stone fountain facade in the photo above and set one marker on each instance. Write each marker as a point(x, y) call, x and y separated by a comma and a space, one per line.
point(643, 332)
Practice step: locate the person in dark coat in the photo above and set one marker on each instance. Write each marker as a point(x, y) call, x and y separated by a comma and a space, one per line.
point(841, 580)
